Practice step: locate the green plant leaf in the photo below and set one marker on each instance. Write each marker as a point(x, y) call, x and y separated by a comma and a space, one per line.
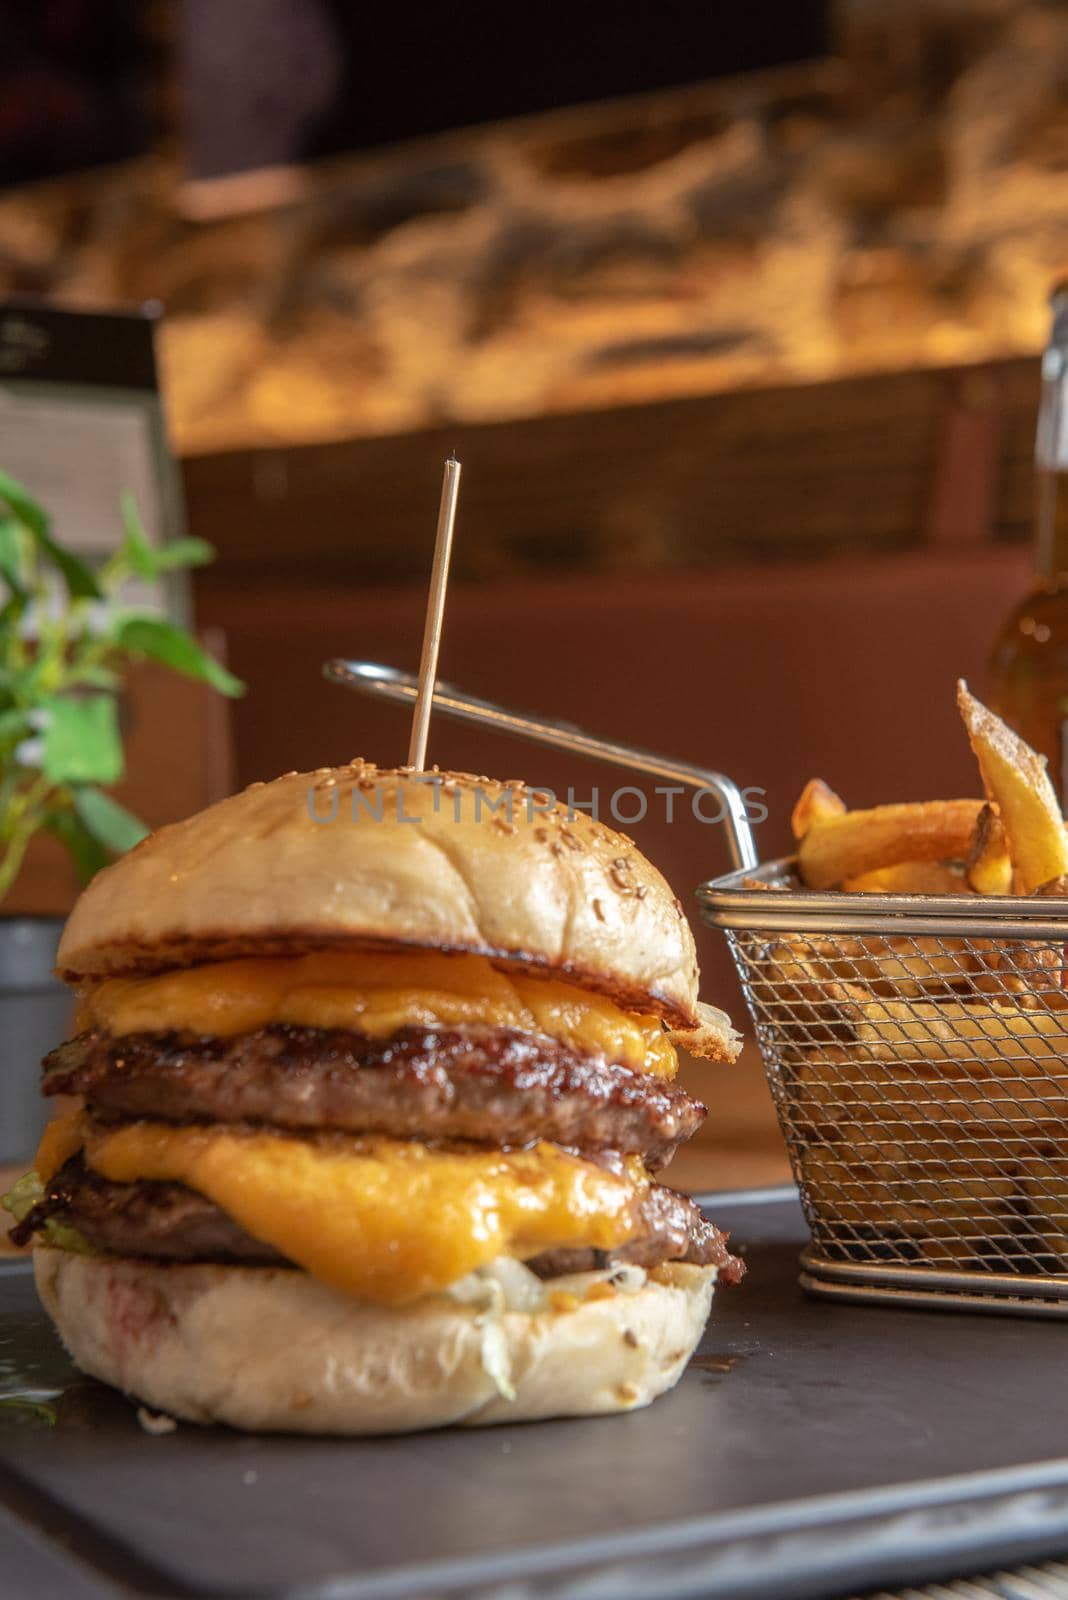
point(136, 545)
point(96, 678)
point(148, 560)
point(14, 724)
point(81, 739)
point(16, 681)
point(115, 827)
point(80, 580)
point(162, 641)
point(87, 852)
point(183, 553)
point(21, 502)
point(12, 612)
point(11, 557)
point(81, 584)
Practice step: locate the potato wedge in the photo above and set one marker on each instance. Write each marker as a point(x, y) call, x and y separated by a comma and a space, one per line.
point(937, 1099)
point(1017, 781)
point(988, 867)
point(881, 1189)
point(857, 842)
point(1004, 1038)
point(833, 968)
point(912, 877)
point(817, 802)
point(1023, 972)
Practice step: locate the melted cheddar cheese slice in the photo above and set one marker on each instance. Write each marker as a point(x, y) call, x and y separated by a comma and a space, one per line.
point(380, 1219)
point(376, 995)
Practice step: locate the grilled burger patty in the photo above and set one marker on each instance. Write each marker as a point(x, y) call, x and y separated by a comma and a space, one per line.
point(167, 1221)
point(495, 1086)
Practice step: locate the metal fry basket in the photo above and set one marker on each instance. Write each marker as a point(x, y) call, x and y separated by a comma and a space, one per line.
point(917, 1051)
point(916, 1047)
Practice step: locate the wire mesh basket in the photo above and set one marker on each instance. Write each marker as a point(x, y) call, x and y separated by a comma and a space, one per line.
point(916, 1047)
point(917, 1051)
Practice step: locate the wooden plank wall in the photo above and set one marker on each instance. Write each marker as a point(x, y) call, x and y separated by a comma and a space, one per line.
point(879, 462)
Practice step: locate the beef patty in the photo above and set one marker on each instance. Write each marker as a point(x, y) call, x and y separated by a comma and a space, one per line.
point(494, 1086)
point(167, 1221)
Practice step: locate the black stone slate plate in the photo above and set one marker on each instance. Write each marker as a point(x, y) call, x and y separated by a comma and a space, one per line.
point(811, 1449)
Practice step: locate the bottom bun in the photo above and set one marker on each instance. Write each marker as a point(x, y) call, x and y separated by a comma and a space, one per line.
point(273, 1349)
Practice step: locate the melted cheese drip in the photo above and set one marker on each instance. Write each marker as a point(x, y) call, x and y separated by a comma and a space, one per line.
point(376, 994)
point(380, 1219)
point(63, 1137)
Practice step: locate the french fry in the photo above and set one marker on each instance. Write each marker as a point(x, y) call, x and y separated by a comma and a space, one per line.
point(812, 990)
point(857, 842)
point(811, 970)
point(836, 967)
point(803, 996)
point(919, 966)
point(879, 1187)
point(911, 877)
point(932, 1101)
point(1006, 1037)
point(988, 866)
point(1023, 972)
point(817, 802)
point(1044, 1184)
point(1000, 1250)
point(1017, 781)
point(927, 1076)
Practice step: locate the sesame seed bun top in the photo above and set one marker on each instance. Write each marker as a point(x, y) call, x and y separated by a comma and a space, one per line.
point(362, 856)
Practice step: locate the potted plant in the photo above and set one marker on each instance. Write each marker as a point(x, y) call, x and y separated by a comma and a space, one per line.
point(66, 640)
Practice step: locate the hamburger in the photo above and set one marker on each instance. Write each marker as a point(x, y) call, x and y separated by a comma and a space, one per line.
point(373, 1076)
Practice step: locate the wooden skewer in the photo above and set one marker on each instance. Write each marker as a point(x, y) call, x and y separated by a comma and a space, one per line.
point(435, 613)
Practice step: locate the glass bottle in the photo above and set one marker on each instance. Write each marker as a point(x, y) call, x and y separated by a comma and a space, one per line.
point(1029, 665)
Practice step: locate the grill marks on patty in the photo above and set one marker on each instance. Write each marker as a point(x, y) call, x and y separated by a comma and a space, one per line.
point(169, 1222)
point(493, 1086)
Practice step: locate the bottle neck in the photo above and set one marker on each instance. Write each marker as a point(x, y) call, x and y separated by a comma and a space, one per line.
point(1051, 468)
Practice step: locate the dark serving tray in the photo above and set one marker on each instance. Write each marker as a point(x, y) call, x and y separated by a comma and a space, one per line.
point(811, 1449)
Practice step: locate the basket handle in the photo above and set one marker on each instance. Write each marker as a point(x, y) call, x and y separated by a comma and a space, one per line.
point(389, 683)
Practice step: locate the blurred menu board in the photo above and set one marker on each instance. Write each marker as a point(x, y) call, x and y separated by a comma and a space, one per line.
point(81, 421)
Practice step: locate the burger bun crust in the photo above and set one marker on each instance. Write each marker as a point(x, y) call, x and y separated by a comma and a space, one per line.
point(269, 1349)
point(358, 856)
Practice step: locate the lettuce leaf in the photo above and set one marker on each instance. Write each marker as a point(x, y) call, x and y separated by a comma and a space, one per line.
point(20, 1200)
